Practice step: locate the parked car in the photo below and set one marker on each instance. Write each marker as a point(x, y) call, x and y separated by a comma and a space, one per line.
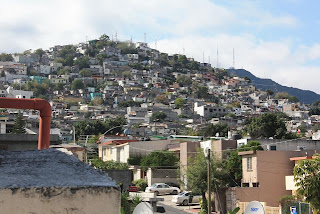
point(185, 198)
point(133, 188)
point(162, 188)
point(173, 184)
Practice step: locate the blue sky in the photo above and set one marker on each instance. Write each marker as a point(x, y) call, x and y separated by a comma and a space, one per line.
point(272, 39)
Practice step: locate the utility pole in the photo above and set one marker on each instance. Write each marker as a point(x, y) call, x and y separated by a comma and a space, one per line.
point(209, 182)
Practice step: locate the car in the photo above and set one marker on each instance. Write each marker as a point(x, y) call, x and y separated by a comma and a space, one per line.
point(173, 184)
point(133, 188)
point(186, 198)
point(162, 188)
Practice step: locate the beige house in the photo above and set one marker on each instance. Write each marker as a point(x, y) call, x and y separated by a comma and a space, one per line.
point(264, 175)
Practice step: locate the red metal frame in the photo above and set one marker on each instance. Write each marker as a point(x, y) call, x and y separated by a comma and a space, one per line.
point(45, 115)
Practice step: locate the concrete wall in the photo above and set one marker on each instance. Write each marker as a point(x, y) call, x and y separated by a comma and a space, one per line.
point(162, 176)
point(60, 200)
point(18, 142)
point(121, 176)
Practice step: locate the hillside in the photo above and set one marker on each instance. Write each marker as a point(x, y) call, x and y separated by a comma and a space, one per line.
point(304, 96)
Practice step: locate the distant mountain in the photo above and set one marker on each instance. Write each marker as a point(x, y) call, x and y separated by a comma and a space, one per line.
point(305, 96)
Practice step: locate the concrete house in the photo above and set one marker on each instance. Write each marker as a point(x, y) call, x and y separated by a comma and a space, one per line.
point(264, 175)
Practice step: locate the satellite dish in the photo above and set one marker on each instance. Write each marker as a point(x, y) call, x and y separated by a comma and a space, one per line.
point(143, 208)
point(254, 207)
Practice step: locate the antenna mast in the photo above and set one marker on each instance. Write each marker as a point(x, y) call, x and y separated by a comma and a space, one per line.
point(217, 57)
point(233, 60)
point(145, 38)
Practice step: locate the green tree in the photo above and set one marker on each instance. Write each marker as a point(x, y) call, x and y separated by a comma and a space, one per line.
point(194, 65)
point(180, 102)
point(265, 126)
point(307, 178)
point(85, 73)
point(5, 57)
point(184, 80)
point(77, 84)
point(19, 125)
point(127, 48)
point(159, 159)
point(270, 92)
point(158, 116)
point(39, 52)
point(59, 86)
point(63, 71)
point(82, 62)
point(212, 129)
point(247, 78)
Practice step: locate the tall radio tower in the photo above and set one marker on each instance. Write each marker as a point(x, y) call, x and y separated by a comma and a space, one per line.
point(233, 65)
point(217, 57)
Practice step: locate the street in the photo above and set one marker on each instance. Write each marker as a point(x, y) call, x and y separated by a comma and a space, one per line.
point(170, 207)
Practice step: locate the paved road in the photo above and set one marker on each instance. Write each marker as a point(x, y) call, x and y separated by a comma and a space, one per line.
point(171, 207)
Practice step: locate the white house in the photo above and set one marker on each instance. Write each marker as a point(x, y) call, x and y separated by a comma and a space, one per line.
point(11, 93)
point(208, 111)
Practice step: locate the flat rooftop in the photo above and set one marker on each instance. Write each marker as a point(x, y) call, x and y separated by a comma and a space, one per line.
point(48, 168)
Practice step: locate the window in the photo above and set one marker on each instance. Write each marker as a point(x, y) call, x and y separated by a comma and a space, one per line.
point(245, 184)
point(205, 109)
point(273, 148)
point(255, 184)
point(210, 110)
point(249, 163)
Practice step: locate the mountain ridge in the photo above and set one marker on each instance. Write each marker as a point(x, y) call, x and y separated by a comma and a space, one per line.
point(305, 96)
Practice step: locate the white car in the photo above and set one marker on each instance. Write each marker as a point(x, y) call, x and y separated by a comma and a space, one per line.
point(185, 198)
point(161, 188)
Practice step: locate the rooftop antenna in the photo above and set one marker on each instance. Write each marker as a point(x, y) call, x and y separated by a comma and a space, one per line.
point(217, 57)
point(131, 40)
point(116, 37)
point(203, 56)
point(145, 38)
point(233, 60)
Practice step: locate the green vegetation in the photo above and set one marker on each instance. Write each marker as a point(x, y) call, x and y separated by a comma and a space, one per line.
point(265, 126)
point(141, 184)
point(77, 84)
point(158, 116)
point(212, 129)
point(105, 165)
point(5, 57)
point(19, 125)
point(82, 62)
point(135, 160)
point(128, 204)
point(307, 178)
point(285, 95)
point(159, 158)
point(96, 127)
point(180, 102)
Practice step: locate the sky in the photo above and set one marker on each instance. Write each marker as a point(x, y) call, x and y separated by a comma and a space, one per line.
point(272, 39)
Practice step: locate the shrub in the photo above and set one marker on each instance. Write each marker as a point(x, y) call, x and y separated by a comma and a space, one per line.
point(141, 184)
